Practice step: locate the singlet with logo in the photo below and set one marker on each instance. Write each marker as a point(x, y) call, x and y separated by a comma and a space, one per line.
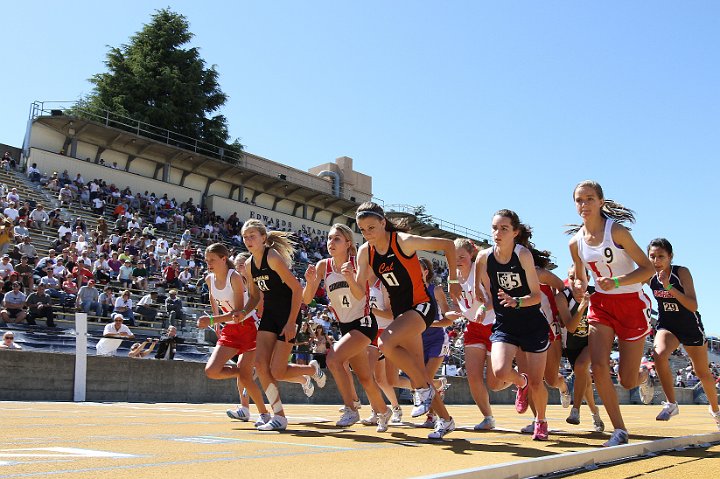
point(225, 297)
point(277, 296)
point(578, 340)
point(511, 278)
point(376, 300)
point(607, 260)
point(671, 314)
point(346, 307)
point(401, 275)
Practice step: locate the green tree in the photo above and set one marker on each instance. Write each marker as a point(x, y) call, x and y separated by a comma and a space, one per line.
point(157, 79)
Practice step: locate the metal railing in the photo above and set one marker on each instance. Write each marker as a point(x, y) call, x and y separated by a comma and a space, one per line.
point(440, 223)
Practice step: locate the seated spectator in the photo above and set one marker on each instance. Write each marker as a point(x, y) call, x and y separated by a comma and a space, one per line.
point(21, 230)
point(101, 269)
point(26, 248)
point(82, 273)
point(88, 299)
point(125, 274)
point(168, 344)
point(14, 305)
point(102, 230)
point(185, 279)
point(56, 219)
point(113, 334)
point(53, 286)
point(6, 267)
point(40, 306)
point(25, 272)
point(124, 306)
point(38, 218)
point(64, 229)
point(9, 341)
point(138, 351)
point(107, 301)
point(59, 269)
point(174, 303)
point(114, 264)
point(140, 276)
point(69, 287)
point(33, 173)
point(65, 196)
point(148, 306)
point(170, 275)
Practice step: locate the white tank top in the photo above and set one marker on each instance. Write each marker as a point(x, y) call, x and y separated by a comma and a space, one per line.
point(224, 298)
point(252, 314)
point(376, 300)
point(469, 302)
point(345, 306)
point(607, 260)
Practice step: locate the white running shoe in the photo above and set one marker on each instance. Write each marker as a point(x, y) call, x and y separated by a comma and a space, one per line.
point(669, 410)
point(382, 420)
point(264, 418)
point(647, 390)
point(442, 427)
point(396, 415)
point(487, 424)
point(349, 417)
point(239, 413)
point(565, 397)
point(372, 420)
point(308, 386)
point(422, 398)
point(319, 375)
point(574, 417)
point(356, 404)
point(277, 423)
point(529, 429)
point(429, 421)
point(715, 415)
point(619, 436)
point(598, 423)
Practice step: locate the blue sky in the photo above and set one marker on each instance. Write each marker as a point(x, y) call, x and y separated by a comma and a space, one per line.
point(465, 107)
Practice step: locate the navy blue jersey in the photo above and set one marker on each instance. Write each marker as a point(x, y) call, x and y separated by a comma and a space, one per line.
point(671, 314)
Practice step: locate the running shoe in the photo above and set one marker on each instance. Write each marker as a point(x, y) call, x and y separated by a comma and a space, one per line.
point(239, 413)
point(669, 410)
point(619, 436)
point(566, 397)
point(372, 420)
point(442, 427)
point(349, 417)
point(647, 390)
point(382, 420)
point(422, 398)
point(263, 419)
point(529, 429)
point(277, 423)
point(356, 405)
point(540, 433)
point(319, 375)
point(716, 416)
point(308, 386)
point(574, 417)
point(487, 424)
point(396, 415)
point(429, 421)
point(598, 423)
point(521, 396)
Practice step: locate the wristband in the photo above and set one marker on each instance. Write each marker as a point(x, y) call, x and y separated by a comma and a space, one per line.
point(212, 320)
point(242, 315)
point(617, 282)
point(453, 281)
point(483, 308)
point(669, 287)
point(519, 303)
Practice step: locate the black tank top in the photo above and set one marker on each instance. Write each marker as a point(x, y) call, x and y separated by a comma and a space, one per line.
point(578, 339)
point(670, 311)
point(511, 278)
point(276, 294)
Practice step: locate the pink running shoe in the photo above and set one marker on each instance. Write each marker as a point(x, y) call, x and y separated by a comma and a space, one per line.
point(541, 431)
point(521, 396)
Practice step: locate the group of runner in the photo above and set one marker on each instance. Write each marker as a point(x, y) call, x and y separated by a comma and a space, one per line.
point(521, 318)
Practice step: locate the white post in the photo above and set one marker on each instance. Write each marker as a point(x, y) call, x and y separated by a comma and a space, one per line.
point(80, 356)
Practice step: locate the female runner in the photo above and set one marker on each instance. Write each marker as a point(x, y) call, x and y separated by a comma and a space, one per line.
point(678, 323)
point(391, 254)
point(348, 301)
point(618, 307)
point(239, 334)
point(269, 268)
point(508, 272)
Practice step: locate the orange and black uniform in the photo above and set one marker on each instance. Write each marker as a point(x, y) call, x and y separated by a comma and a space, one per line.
point(402, 277)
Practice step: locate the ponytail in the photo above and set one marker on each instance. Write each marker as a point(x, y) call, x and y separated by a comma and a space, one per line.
point(610, 209)
point(221, 250)
point(524, 231)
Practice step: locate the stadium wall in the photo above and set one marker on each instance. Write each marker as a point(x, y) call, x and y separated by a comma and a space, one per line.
point(37, 376)
point(137, 181)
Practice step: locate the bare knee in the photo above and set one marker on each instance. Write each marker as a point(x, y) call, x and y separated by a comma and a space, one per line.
point(279, 372)
point(212, 372)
